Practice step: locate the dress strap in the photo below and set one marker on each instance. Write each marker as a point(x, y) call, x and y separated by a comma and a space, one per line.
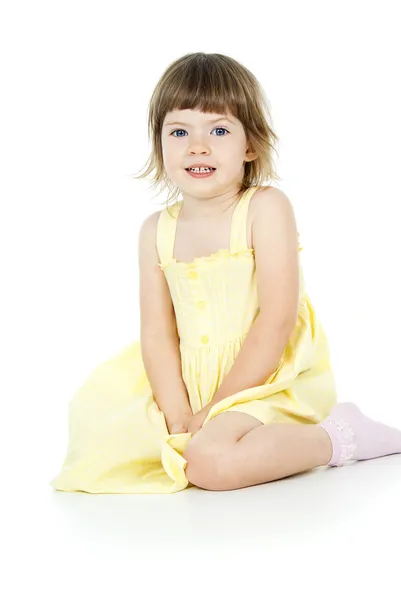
point(238, 234)
point(167, 225)
point(166, 228)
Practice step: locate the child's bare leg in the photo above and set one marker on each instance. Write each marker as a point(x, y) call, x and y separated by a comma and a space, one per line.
point(235, 452)
point(274, 451)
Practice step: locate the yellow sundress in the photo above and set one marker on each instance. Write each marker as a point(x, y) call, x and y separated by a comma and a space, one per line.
point(118, 438)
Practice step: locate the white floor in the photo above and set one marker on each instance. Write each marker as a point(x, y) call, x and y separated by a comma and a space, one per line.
point(326, 533)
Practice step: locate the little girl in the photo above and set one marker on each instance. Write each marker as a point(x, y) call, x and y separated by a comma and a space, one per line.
point(230, 384)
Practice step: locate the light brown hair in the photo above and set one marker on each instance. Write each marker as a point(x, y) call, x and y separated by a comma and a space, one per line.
point(212, 83)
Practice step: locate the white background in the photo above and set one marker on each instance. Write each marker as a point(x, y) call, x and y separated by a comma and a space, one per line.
point(76, 79)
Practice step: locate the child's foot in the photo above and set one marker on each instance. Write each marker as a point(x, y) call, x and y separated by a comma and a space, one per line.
point(357, 437)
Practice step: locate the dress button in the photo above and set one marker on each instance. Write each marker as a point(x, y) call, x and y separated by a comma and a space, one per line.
point(201, 304)
point(204, 339)
point(192, 274)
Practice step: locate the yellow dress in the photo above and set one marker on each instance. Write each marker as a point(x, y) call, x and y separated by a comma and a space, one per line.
point(118, 438)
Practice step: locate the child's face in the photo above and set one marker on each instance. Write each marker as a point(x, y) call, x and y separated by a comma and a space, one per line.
point(221, 144)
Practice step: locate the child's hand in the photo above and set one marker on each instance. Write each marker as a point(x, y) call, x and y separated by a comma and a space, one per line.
point(178, 423)
point(197, 420)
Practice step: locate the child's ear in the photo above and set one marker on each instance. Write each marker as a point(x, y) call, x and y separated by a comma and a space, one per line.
point(250, 156)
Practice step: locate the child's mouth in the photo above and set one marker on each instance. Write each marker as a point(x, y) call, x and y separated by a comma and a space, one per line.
point(200, 174)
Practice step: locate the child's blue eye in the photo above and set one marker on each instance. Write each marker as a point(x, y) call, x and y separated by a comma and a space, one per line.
point(213, 130)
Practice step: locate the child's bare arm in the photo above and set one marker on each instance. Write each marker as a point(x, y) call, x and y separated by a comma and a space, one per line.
point(159, 337)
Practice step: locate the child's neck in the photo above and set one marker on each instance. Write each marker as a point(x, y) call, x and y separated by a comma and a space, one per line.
point(208, 208)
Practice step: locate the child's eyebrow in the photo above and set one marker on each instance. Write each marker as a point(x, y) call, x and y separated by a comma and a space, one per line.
point(222, 118)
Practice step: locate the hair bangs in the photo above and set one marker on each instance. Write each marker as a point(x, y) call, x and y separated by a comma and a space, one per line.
point(207, 86)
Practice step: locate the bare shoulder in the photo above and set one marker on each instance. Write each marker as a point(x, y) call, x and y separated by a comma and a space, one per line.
point(268, 196)
point(149, 224)
point(266, 203)
point(148, 227)
point(147, 243)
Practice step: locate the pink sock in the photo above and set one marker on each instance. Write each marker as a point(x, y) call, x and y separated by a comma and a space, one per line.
point(357, 437)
